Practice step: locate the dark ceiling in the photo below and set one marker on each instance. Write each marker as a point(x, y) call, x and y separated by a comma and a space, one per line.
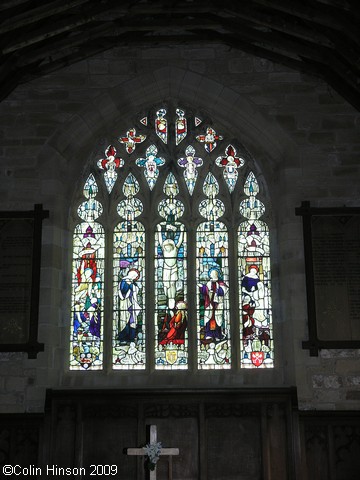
point(317, 37)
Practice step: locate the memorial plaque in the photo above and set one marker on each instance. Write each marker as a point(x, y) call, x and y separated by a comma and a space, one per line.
point(336, 260)
point(20, 256)
point(16, 247)
point(332, 263)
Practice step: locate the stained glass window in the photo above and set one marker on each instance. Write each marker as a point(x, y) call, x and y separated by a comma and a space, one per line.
point(110, 164)
point(129, 282)
point(190, 163)
point(230, 162)
point(151, 162)
point(86, 336)
point(161, 125)
point(171, 316)
point(256, 337)
point(180, 126)
point(213, 315)
point(178, 242)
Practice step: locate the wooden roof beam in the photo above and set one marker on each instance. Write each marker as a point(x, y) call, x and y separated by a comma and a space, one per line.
point(37, 14)
point(340, 21)
point(296, 47)
point(281, 23)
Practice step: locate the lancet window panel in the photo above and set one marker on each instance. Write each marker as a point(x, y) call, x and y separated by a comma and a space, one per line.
point(171, 337)
point(129, 274)
point(88, 273)
point(129, 325)
point(213, 305)
point(171, 318)
point(256, 335)
point(175, 179)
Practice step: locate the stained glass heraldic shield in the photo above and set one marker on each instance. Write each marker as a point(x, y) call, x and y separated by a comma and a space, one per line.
point(177, 288)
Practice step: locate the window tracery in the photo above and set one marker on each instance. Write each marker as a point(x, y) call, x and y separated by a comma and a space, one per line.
point(187, 226)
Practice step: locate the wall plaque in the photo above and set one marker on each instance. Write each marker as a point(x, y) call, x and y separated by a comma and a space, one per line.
point(332, 262)
point(20, 256)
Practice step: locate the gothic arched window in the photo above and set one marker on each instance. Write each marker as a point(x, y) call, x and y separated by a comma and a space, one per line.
point(163, 252)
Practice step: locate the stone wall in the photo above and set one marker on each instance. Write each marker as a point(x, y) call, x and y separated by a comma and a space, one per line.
point(302, 135)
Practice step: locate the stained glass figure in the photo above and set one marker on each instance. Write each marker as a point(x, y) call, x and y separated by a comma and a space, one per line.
point(255, 282)
point(151, 162)
point(212, 271)
point(129, 282)
point(161, 125)
point(180, 126)
point(131, 140)
point(209, 139)
point(190, 164)
point(171, 343)
point(230, 162)
point(86, 336)
point(109, 164)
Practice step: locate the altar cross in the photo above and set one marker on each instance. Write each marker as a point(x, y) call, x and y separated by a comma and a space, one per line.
point(164, 451)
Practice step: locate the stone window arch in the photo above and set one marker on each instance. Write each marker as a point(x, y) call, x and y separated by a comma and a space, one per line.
point(171, 257)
